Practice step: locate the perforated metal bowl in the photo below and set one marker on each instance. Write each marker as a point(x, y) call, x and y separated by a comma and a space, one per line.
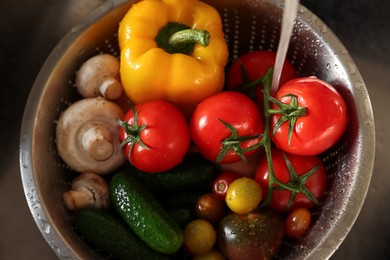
point(249, 25)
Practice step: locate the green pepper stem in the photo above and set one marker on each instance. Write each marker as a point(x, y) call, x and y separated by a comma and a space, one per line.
point(179, 38)
point(190, 36)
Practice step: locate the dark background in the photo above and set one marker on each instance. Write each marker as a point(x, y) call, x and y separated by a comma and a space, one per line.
point(29, 30)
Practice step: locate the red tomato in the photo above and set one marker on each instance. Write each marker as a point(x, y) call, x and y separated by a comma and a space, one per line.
point(297, 222)
point(256, 64)
point(244, 168)
point(224, 125)
point(323, 124)
point(158, 139)
point(301, 165)
point(222, 182)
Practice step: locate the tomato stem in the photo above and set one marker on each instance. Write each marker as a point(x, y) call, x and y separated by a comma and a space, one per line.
point(266, 139)
point(297, 183)
point(290, 113)
point(132, 133)
point(233, 142)
point(248, 87)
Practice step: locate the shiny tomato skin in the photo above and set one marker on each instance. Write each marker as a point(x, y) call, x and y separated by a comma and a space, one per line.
point(257, 235)
point(199, 236)
point(221, 184)
point(243, 195)
point(325, 120)
point(236, 109)
point(166, 135)
point(297, 222)
point(256, 64)
point(301, 164)
point(210, 207)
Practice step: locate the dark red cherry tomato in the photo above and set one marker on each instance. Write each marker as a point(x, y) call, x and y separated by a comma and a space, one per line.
point(297, 222)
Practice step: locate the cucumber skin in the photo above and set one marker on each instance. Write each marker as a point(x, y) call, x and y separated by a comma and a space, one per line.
point(107, 232)
point(193, 172)
point(144, 215)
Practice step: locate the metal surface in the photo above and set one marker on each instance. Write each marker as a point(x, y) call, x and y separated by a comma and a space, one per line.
point(314, 50)
point(13, 232)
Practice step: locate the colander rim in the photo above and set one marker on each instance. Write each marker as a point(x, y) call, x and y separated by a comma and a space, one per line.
point(323, 251)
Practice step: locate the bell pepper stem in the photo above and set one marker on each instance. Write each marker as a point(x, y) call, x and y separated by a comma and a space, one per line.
point(179, 38)
point(190, 36)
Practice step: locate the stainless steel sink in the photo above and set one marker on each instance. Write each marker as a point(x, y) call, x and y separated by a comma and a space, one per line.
point(30, 30)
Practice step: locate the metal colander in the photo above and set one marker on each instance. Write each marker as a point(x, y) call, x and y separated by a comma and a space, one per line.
point(249, 25)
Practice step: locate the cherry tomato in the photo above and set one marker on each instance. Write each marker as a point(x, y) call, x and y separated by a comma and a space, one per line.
point(213, 254)
point(256, 64)
point(155, 136)
point(323, 123)
point(304, 183)
point(243, 195)
point(221, 183)
point(210, 207)
point(226, 127)
point(199, 236)
point(297, 222)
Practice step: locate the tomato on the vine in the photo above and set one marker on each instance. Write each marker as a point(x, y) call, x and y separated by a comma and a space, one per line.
point(304, 175)
point(227, 127)
point(246, 71)
point(221, 183)
point(308, 116)
point(155, 136)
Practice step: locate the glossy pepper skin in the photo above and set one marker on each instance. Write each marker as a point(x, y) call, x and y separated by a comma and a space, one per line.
point(148, 72)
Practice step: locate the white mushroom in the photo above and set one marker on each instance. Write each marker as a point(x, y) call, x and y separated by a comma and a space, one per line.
point(87, 136)
point(99, 76)
point(87, 190)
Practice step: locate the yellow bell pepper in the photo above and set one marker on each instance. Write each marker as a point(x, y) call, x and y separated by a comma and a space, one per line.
point(172, 50)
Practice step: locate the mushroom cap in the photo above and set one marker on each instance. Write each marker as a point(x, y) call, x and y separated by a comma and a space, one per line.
point(70, 132)
point(99, 76)
point(88, 190)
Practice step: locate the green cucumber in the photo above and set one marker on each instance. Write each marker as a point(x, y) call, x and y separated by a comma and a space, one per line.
point(108, 233)
point(193, 172)
point(144, 215)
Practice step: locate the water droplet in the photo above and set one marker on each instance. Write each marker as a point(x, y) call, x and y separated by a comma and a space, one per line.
point(45, 226)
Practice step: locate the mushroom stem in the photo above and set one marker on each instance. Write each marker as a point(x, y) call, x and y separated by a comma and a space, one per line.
point(77, 199)
point(87, 190)
point(110, 88)
point(87, 136)
point(97, 142)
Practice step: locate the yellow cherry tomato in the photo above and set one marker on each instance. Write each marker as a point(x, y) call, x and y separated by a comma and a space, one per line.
point(199, 236)
point(213, 254)
point(243, 195)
